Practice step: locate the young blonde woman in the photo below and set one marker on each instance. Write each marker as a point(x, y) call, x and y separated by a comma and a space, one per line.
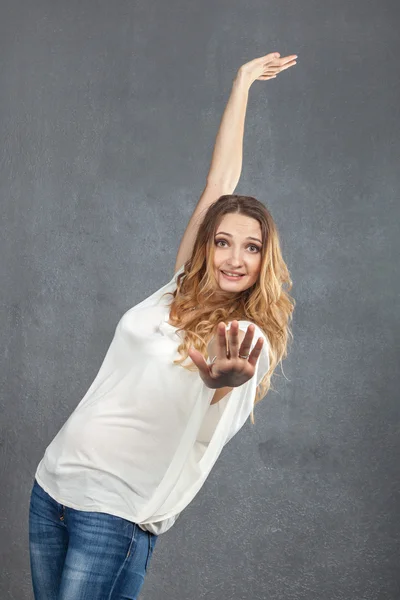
point(180, 378)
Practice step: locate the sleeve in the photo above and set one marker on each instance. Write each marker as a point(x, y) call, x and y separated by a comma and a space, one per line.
point(244, 395)
point(244, 392)
point(193, 458)
point(211, 419)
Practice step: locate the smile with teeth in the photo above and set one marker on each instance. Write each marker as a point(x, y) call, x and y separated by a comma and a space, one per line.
point(232, 274)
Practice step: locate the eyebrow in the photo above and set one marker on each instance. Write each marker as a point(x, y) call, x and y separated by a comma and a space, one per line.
point(230, 235)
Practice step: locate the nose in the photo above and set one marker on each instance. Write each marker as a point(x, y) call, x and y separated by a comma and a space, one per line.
point(235, 261)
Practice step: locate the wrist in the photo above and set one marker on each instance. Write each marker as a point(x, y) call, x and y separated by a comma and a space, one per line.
point(242, 80)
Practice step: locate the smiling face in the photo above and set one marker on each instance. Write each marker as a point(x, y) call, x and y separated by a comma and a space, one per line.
point(237, 249)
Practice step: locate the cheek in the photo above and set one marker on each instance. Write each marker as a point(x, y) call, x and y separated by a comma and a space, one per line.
point(256, 264)
point(255, 270)
point(217, 257)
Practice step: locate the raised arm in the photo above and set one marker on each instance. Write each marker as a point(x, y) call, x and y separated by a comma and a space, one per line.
point(226, 162)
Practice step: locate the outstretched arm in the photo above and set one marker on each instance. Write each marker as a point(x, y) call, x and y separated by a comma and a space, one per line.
point(226, 162)
point(227, 156)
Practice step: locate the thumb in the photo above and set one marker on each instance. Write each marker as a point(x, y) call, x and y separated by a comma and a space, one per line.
point(199, 361)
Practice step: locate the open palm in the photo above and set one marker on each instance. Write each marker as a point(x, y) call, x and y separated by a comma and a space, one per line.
point(229, 368)
point(267, 67)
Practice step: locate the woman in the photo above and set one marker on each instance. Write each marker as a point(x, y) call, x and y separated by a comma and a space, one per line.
point(140, 444)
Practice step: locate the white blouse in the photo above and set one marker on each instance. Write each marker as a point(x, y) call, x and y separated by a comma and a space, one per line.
point(143, 439)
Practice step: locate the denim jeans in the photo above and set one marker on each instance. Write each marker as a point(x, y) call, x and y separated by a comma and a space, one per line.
point(80, 555)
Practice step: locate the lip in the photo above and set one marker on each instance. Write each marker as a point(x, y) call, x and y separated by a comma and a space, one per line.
point(232, 278)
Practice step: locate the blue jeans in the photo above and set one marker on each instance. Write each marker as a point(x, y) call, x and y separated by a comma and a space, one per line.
point(76, 555)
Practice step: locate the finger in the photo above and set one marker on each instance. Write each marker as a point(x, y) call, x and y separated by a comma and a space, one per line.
point(199, 360)
point(205, 370)
point(288, 65)
point(269, 57)
point(274, 72)
point(286, 59)
point(255, 353)
point(271, 74)
point(273, 69)
point(278, 60)
point(233, 340)
point(221, 341)
point(247, 341)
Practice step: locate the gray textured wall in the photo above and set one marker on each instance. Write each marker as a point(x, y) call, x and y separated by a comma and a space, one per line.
point(109, 112)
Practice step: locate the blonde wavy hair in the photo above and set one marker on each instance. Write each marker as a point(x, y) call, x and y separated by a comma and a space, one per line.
point(196, 312)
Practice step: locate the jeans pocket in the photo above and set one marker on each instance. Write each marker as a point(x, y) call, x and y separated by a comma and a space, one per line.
point(132, 536)
point(151, 544)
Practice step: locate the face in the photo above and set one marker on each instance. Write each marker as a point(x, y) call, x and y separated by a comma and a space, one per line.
point(238, 246)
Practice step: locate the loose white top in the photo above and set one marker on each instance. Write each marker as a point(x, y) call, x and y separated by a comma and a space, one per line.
point(143, 439)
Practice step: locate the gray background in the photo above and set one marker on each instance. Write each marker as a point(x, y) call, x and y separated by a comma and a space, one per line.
point(109, 112)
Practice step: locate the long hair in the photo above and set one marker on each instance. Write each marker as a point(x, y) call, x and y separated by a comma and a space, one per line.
point(196, 311)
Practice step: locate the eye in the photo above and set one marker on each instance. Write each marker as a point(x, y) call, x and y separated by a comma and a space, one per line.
point(258, 249)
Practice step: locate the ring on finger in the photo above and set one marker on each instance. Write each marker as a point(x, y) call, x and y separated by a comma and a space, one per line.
point(246, 356)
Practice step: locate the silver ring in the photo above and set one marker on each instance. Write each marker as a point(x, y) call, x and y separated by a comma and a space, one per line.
point(246, 356)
